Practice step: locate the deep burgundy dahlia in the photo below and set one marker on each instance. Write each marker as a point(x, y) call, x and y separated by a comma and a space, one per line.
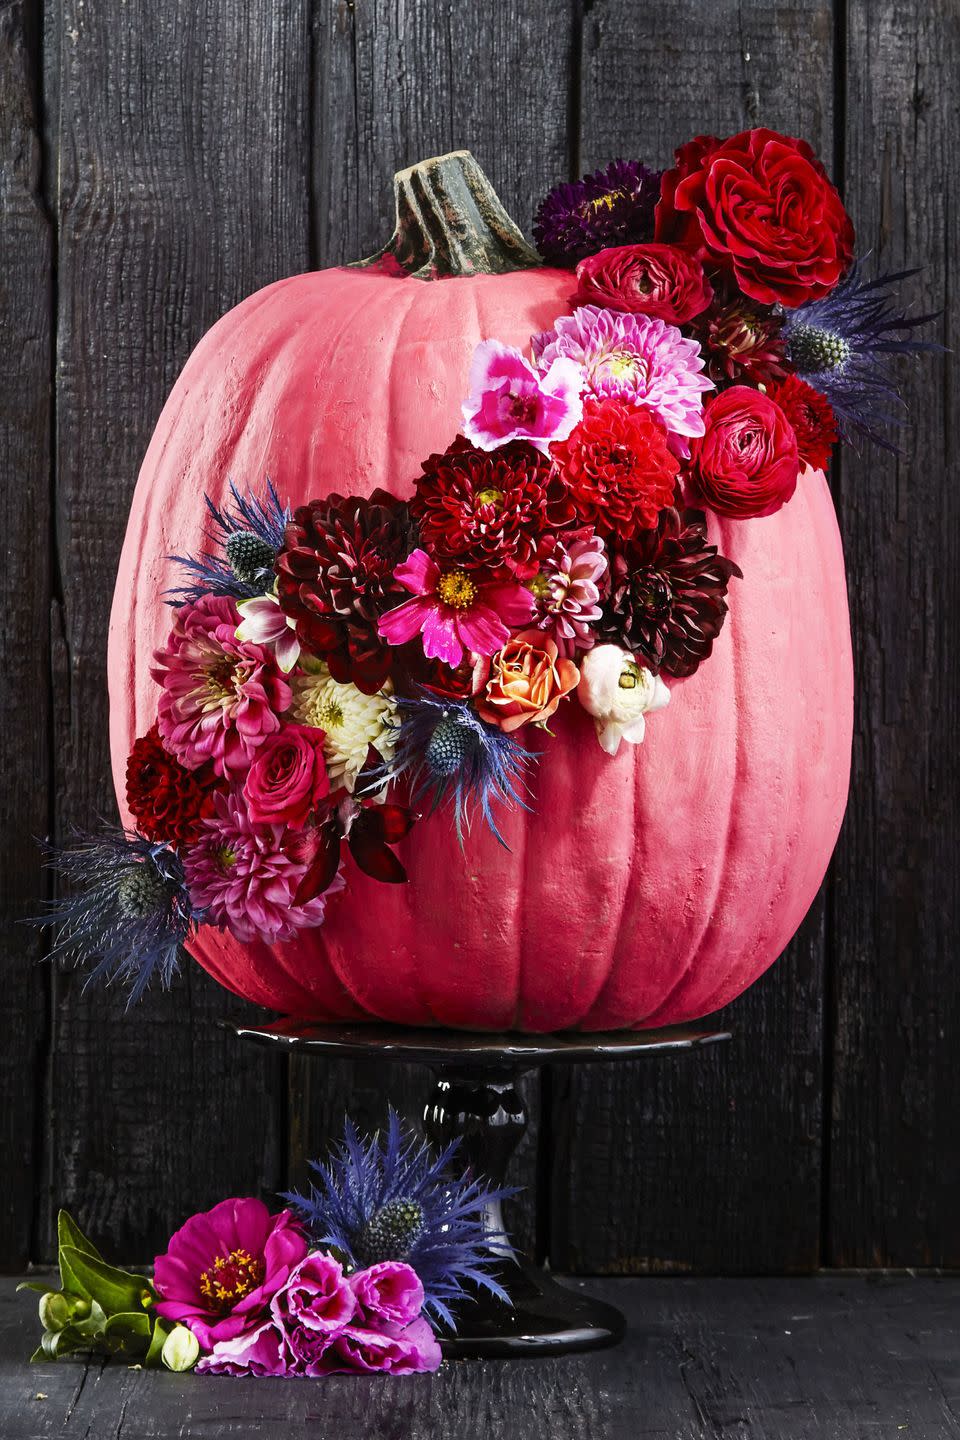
point(167, 801)
point(667, 593)
point(812, 418)
point(741, 343)
point(617, 467)
point(610, 207)
point(484, 509)
point(335, 579)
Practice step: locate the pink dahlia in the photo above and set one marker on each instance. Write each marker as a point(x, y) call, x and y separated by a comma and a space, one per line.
point(509, 400)
point(221, 696)
point(245, 876)
point(223, 1267)
point(639, 359)
point(454, 611)
point(566, 592)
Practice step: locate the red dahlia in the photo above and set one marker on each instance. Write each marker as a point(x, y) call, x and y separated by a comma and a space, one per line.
point(812, 418)
point(484, 510)
point(167, 801)
point(617, 467)
point(335, 579)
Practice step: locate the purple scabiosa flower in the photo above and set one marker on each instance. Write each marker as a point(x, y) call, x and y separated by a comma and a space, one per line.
point(614, 206)
point(635, 358)
point(840, 346)
point(568, 588)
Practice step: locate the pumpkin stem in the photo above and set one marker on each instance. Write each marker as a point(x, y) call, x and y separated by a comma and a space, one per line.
point(450, 222)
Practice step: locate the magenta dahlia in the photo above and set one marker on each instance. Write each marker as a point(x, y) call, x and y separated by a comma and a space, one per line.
point(221, 697)
point(567, 590)
point(245, 876)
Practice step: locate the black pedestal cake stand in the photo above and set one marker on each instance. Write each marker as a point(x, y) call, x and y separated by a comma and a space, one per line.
point(475, 1098)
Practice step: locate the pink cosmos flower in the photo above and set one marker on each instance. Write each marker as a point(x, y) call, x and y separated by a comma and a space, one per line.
point(567, 590)
point(245, 876)
point(221, 696)
point(222, 1268)
point(454, 612)
point(636, 358)
point(264, 623)
point(509, 400)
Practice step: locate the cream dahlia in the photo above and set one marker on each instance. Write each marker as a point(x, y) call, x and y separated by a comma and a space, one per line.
point(351, 721)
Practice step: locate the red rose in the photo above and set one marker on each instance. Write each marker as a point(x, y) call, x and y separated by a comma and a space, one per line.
point(660, 280)
point(288, 777)
point(761, 206)
point(746, 463)
point(617, 469)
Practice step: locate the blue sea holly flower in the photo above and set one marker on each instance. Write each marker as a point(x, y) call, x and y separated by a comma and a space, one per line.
point(249, 535)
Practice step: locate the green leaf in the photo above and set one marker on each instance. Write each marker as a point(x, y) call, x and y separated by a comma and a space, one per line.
point(116, 1290)
point(38, 1357)
point(161, 1329)
point(41, 1287)
point(70, 1281)
point(69, 1233)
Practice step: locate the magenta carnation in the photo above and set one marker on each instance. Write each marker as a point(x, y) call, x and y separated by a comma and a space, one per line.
point(639, 359)
point(392, 1350)
point(454, 612)
point(223, 1267)
point(221, 696)
point(567, 591)
point(245, 876)
point(509, 400)
point(263, 1351)
point(389, 1291)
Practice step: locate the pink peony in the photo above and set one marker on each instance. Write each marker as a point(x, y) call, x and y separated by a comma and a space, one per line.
point(568, 588)
point(509, 400)
point(221, 696)
point(245, 876)
point(288, 778)
point(390, 1291)
point(639, 359)
point(454, 612)
point(223, 1267)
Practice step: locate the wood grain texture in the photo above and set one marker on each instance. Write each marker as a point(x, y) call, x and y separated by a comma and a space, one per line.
point(895, 1165)
point(182, 137)
point(26, 282)
point(659, 1167)
point(815, 1359)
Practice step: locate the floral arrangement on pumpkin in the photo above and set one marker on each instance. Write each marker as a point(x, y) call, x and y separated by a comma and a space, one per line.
point(333, 673)
point(357, 1276)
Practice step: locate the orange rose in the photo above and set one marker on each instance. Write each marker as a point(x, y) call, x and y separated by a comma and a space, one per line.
point(527, 681)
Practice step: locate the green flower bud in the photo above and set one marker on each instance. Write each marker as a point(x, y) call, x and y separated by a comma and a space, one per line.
point(181, 1349)
point(58, 1308)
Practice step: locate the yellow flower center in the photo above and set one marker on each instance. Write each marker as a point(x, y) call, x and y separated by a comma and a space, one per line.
point(230, 1278)
point(226, 857)
point(457, 589)
point(490, 497)
point(326, 714)
point(629, 676)
point(603, 202)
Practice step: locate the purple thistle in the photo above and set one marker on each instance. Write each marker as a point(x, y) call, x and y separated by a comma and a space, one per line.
point(390, 1197)
point(839, 346)
point(250, 536)
point(127, 911)
point(609, 207)
point(449, 754)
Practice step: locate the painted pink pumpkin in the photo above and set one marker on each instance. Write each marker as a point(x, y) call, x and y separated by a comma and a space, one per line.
point(641, 890)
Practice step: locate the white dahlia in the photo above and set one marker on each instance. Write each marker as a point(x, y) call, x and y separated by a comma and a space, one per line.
point(350, 720)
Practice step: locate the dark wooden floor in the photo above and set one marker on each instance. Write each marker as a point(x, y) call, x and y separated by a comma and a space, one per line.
point(838, 1358)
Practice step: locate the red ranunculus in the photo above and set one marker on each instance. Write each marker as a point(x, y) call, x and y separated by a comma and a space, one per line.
point(761, 206)
point(288, 778)
point(661, 280)
point(746, 463)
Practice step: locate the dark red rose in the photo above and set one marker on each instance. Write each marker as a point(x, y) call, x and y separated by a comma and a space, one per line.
point(660, 280)
point(617, 468)
point(746, 463)
point(167, 801)
point(812, 418)
point(288, 778)
point(762, 207)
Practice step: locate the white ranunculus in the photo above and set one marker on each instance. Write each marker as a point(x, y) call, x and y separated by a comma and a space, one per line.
point(618, 692)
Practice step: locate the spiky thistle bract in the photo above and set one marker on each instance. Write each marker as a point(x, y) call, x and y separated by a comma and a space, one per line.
point(245, 569)
point(449, 755)
point(125, 912)
point(840, 345)
point(389, 1196)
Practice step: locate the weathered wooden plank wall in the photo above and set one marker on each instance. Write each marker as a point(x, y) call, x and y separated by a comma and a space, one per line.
point(159, 162)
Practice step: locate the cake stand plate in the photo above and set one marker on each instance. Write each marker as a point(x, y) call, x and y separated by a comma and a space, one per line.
point(475, 1100)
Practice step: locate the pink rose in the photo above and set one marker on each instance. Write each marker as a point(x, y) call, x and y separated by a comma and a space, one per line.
point(389, 1291)
point(659, 280)
point(746, 462)
point(288, 778)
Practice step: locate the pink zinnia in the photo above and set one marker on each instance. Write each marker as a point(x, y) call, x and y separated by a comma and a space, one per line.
point(636, 358)
point(454, 612)
point(509, 400)
point(223, 1267)
point(244, 876)
point(567, 590)
point(221, 696)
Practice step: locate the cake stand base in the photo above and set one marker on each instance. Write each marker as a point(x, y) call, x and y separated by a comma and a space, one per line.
point(475, 1100)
